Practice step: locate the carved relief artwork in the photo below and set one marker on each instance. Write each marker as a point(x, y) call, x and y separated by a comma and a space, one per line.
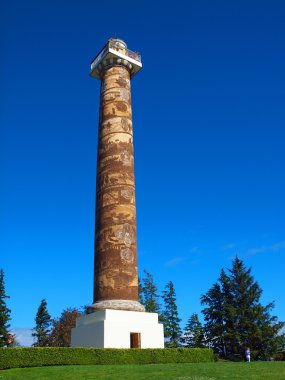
point(122, 82)
point(126, 234)
point(126, 194)
point(125, 156)
point(124, 94)
point(126, 255)
point(125, 124)
point(115, 242)
point(115, 273)
point(121, 106)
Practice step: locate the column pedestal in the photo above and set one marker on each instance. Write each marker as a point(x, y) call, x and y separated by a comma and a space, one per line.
point(115, 329)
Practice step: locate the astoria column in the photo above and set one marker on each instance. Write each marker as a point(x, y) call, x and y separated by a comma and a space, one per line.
point(115, 258)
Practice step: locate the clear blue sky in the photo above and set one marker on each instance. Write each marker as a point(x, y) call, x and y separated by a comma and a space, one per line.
point(209, 125)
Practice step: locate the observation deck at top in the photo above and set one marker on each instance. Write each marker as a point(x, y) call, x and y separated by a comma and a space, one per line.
point(115, 53)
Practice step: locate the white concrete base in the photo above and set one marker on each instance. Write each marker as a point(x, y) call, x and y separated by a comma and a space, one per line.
point(113, 328)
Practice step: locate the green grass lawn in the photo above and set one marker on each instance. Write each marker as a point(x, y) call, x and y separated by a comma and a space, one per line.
point(189, 371)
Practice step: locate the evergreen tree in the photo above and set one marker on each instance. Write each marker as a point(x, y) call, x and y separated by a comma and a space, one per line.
point(4, 313)
point(219, 315)
point(193, 333)
point(214, 319)
point(60, 335)
point(149, 294)
point(253, 324)
point(235, 318)
point(228, 313)
point(43, 324)
point(172, 330)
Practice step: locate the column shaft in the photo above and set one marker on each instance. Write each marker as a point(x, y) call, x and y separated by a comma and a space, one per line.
point(116, 275)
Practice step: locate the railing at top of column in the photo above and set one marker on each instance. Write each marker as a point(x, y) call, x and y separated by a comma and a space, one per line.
point(132, 54)
point(112, 45)
point(99, 56)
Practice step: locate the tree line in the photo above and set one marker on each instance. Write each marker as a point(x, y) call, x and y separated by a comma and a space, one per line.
point(234, 317)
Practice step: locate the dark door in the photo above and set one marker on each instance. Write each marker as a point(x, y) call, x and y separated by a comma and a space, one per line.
point(135, 340)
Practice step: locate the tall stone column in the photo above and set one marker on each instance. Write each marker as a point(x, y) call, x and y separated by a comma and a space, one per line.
point(115, 263)
point(116, 319)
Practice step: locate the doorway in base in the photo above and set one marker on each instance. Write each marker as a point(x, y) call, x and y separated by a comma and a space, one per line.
point(135, 340)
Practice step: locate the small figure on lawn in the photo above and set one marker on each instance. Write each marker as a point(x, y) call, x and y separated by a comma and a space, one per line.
point(247, 354)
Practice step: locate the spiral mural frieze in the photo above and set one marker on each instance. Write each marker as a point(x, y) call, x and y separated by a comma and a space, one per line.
point(115, 235)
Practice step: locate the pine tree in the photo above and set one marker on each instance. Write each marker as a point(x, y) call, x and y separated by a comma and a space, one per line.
point(230, 334)
point(214, 316)
point(60, 335)
point(219, 315)
point(43, 324)
point(172, 330)
point(253, 324)
point(149, 294)
point(193, 333)
point(235, 318)
point(4, 313)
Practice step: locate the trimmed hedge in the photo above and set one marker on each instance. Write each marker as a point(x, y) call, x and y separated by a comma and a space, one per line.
point(279, 356)
point(51, 356)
